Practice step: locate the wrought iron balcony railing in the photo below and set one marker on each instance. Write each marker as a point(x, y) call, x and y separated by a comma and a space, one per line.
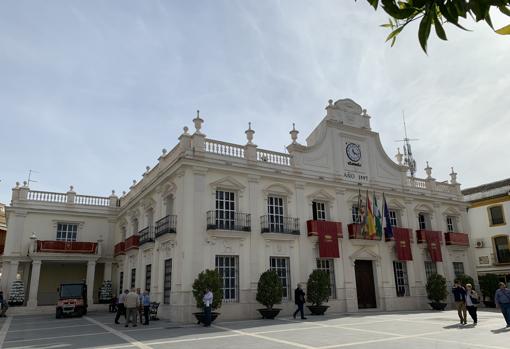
point(166, 225)
point(146, 235)
point(223, 220)
point(279, 224)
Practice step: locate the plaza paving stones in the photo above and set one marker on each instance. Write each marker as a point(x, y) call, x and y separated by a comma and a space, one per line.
point(369, 330)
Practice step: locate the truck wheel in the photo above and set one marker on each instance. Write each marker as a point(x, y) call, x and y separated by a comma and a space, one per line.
point(59, 313)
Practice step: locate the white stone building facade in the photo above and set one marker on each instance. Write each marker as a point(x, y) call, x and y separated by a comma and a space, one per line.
point(240, 209)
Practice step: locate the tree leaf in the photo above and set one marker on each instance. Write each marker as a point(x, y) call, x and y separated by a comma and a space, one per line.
point(504, 10)
point(424, 30)
point(504, 31)
point(394, 34)
point(439, 28)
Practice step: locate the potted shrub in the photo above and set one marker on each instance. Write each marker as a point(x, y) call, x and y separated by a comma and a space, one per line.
point(488, 286)
point(437, 291)
point(207, 279)
point(269, 293)
point(465, 279)
point(317, 291)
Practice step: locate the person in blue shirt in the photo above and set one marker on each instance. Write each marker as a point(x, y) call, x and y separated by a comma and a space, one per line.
point(459, 295)
point(502, 299)
point(146, 303)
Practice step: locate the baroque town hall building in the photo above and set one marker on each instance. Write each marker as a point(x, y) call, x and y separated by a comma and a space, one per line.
point(242, 210)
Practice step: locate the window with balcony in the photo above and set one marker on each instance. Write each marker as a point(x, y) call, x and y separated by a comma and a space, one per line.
point(328, 266)
point(356, 214)
point(458, 269)
point(282, 268)
point(133, 278)
point(67, 231)
point(275, 212)
point(401, 280)
point(121, 282)
point(430, 268)
point(167, 281)
point(496, 215)
point(148, 272)
point(394, 218)
point(319, 211)
point(228, 268)
point(502, 248)
point(451, 224)
point(424, 221)
point(225, 209)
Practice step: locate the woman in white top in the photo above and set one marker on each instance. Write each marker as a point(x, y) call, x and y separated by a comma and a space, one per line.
point(471, 302)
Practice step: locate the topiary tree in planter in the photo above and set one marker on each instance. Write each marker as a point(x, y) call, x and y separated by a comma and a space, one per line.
point(465, 279)
point(318, 291)
point(207, 279)
point(269, 293)
point(488, 286)
point(437, 291)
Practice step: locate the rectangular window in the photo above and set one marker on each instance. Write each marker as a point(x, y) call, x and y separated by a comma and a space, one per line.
point(356, 216)
point(458, 268)
point(496, 215)
point(121, 281)
point(133, 277)
point(281, 266)
point(66, 231)
point(502, 249)
point(167, 281)
point(328, 266)
point(430, 268)
point(319, 211)
point(148, 271)
point(451, 224)
point(225, 209)
point(228, 268)
point(275, 214)
point(393, 218)
point(401, 281)
point(424, 221)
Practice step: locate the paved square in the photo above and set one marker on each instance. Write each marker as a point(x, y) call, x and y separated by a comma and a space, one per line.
point(415, 330)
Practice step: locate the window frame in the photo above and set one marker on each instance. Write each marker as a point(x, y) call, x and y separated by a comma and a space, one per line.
point(328, 265)
point(355, 214)
point(491, 220)
point(401, 279)
point(223, 264)
point(426, 224)
point(225, 217)
point(394, 217)
point(496, 250)
point(451, 224)
point(456, 269)
point(276, 220)
point(148, 276)
point(133, 278)
point(167, 280)
point(280, 270)
point(319, 213)
point(67, 235)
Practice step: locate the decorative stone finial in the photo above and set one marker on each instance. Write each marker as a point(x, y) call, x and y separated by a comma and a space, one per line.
point(163, 151)
point(330, 104)
point(134, 181)
point(17, 184)
point(185, 129)
point(25, 183)
point(293, 133)
point(198, 122)
point(428, 170)
point(249, 133)
point(453, 176)
point(147, 168)
point(123, 193)
point(71, 188)
point(399, 156)
point(364, 112)
point(113, 192)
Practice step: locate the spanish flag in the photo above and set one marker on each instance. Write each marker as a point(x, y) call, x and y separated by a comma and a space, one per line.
point(370, 222)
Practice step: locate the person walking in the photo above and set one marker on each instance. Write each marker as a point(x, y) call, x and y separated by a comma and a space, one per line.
point(299, 300)
point(207, 299)
point(459, 294)
point(120, 306)
point(502, 299)
point(472, 302)
point(140, 306)
point(131, 303)
point(146, 303)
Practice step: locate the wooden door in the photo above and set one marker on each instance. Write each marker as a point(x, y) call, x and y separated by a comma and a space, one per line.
point(365, 286)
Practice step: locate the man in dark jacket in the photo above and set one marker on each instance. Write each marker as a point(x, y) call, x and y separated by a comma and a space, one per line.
point(459, 294)
point(299, 299)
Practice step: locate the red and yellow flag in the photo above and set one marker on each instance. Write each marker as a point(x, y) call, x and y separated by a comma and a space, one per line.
point(370, 221)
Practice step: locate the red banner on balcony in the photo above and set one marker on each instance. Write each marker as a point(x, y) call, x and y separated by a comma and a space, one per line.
point(433, 239)
point(66, 246)
point(402, 237)
point(328, 233)
point(458, 239)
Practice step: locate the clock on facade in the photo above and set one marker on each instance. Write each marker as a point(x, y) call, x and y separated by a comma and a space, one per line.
point(353, 152)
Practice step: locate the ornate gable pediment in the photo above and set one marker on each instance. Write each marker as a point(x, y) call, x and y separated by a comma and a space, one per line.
point(321, 195)
point(364, 253)
point(277, 188)
point(227, 183)
point(451, 211)
point(423, 208)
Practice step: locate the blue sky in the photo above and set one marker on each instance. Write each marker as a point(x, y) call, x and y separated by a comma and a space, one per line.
point(91, 91)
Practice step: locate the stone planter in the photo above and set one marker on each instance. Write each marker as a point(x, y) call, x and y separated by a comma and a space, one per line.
point(438, 306)
point(201, 316)
point(269, 313)
point(317, 309)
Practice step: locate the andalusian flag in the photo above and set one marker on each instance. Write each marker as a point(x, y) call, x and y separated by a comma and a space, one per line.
point(370, 222)
point(378, 218)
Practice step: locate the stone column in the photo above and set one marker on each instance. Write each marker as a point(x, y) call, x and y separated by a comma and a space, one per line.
point(91, 271)
point(107, 271)
point(34, 283)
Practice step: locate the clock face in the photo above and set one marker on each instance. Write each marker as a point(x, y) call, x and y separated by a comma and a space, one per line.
point(353, 152)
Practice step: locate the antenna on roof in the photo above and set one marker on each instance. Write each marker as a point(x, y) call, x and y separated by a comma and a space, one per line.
point(30, 177)
point(408, 154)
